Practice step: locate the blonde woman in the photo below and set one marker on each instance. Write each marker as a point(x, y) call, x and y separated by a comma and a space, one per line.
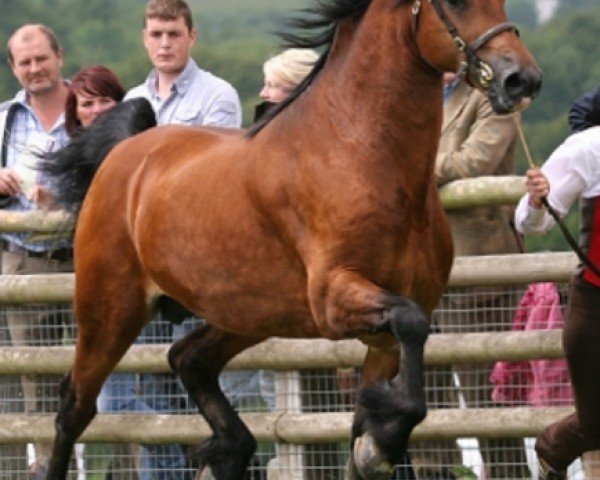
point(283, 73)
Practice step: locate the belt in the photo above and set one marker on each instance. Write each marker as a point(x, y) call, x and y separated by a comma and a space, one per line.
point(60, 255)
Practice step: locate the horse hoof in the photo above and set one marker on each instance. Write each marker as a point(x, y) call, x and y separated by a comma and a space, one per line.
point(205, 474)
point(369, 462)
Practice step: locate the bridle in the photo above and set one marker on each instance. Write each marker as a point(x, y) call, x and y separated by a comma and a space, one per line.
point(471, 66)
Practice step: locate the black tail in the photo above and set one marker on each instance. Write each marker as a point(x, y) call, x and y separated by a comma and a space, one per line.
point(73, 167)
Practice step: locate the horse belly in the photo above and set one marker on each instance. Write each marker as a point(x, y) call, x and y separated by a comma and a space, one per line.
point(224, 263)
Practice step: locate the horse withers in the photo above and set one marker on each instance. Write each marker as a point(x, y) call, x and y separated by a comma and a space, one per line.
point(321, 221)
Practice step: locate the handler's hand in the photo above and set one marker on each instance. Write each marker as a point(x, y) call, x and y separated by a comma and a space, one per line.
point(537, 186)
point(10, 182)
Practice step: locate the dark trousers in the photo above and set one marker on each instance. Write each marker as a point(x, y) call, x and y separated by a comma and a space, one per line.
point(564, 441)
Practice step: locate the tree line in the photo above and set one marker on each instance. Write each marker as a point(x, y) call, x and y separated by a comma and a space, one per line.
point(235, 37)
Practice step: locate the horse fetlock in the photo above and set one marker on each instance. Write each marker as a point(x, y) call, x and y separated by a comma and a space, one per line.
point(221, 458)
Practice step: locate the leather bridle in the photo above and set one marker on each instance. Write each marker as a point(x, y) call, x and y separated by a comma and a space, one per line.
point(471, 65)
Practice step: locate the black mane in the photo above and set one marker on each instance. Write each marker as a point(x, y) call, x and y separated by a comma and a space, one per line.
point(322, 20)
point(73, 167)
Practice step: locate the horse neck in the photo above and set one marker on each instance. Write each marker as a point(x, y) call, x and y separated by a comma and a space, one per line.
point(380, 93)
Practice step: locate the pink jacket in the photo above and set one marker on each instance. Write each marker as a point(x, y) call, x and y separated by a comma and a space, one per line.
point(534, 382)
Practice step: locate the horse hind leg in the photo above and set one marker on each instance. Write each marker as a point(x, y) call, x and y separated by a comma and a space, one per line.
point(107, 326)
point(68, 427)
point(198, 358)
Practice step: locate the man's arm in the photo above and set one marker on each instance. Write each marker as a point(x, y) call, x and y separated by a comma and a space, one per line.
point(585, 111)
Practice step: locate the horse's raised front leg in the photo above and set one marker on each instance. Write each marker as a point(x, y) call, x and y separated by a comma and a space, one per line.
point(387, 411)
point(391, 400)
point(198, 358)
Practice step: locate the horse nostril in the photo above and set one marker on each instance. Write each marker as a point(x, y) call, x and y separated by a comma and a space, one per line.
point(522, 84)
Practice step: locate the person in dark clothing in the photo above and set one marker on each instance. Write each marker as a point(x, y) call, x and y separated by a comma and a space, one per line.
point(585, 111)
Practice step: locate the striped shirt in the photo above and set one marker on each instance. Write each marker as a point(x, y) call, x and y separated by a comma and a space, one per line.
point(26, 140)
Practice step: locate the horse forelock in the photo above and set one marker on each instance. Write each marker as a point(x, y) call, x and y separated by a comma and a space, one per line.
point(324, 18)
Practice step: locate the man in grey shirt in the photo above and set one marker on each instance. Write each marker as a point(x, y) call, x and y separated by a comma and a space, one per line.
point(181, 92)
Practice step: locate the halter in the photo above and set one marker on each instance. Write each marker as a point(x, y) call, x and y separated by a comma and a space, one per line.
point(471, 65)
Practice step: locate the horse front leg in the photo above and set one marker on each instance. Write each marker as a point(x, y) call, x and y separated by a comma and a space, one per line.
point(198, 358)
point(387, 411)
point(391, 399)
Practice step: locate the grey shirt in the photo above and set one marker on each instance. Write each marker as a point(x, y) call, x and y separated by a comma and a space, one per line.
point(197, 98)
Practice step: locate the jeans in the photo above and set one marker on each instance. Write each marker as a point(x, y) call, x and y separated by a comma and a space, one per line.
point(239, 386)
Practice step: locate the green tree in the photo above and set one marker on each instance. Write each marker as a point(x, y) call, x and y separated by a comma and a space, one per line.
point(569, 6)
point(563, 49)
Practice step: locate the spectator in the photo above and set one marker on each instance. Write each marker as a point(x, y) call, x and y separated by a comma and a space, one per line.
point(571, 174)
point(475, 141)
point(33, 123)
point(178, 89)
point(180, 93)
point(283, 73)
point(92, 91)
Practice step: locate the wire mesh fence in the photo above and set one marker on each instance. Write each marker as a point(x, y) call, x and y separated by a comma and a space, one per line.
point(461, 310)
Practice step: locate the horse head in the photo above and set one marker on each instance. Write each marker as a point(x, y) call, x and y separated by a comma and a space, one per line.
point(475, 39)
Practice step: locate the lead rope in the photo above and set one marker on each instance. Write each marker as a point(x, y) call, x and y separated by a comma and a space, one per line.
point(563, 228)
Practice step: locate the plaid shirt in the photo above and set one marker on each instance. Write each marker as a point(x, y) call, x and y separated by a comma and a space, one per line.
point(25, 138)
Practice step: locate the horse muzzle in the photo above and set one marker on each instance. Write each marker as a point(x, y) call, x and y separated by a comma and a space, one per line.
point(514, 88)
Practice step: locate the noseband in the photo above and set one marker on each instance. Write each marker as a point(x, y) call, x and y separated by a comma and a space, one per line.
point(471, 65)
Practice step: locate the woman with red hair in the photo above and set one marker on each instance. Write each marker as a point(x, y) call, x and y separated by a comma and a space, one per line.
point(93, 91)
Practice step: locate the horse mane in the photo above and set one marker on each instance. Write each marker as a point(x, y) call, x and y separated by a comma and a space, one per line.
point(323, 20)
point(72, 168)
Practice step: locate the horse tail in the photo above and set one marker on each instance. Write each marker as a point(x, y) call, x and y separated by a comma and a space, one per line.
point(72, 168)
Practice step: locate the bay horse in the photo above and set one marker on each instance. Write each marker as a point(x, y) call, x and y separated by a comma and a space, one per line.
point(321, 221)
